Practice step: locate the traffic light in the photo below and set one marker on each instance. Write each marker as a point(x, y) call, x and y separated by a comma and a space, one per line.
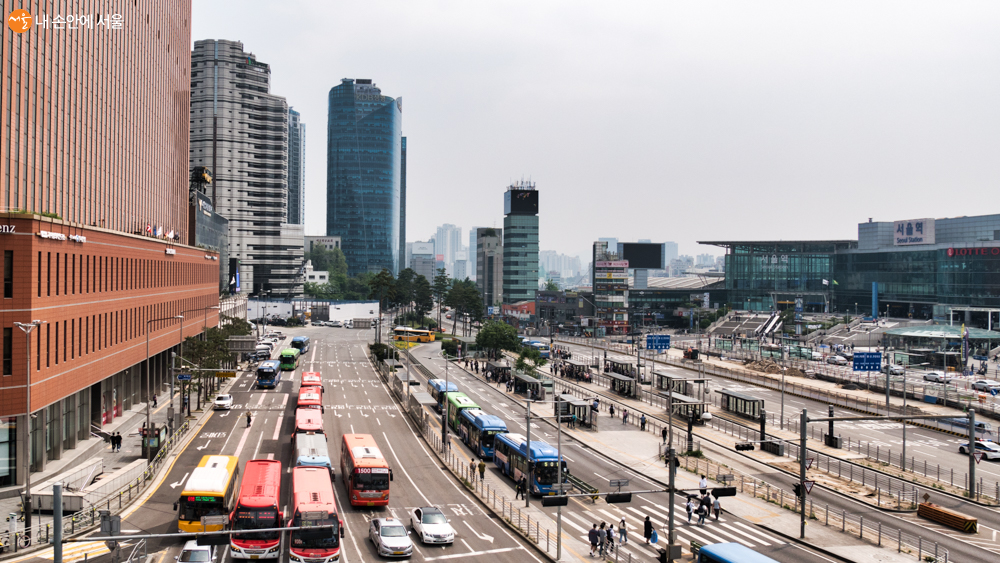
point(744, 447)
point(613, 498)
point(555, 500)
point(797, 489)
point(719, 492)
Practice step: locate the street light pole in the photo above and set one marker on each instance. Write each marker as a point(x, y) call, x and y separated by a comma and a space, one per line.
point(27, 328)
point(149, 388)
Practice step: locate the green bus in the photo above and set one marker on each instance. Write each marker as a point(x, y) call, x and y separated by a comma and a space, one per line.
point(458, 402)
point(290, 358)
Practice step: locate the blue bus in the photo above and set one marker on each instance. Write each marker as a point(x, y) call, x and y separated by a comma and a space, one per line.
point(543, 348)
point(437, 389)
point(268, 374)
point(510, 453)
point(478, 430)
point(302, 343)
point(731, 553)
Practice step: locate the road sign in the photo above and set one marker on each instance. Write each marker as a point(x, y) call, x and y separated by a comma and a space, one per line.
point(809, 463)
point(867, 361)
point(226, 374)
point(725, 478)
point(111, 545)
point(926, 497)
point(809, 486)
point(657, 341)
point(978, 456)
point(183, 377)
point(618, 483)
point(220, 520)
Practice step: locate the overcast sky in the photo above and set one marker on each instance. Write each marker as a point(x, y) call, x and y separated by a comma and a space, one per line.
point(677, 121)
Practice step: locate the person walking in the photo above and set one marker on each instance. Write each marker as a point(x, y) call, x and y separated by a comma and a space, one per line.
point(472, 469)
point(602, 540)
point(622, 532)
point(118, 441)
point(642, 422)
point(624, 416)
point(703, 485)
point(518, 491)
point(690, 508)
point(482, 470)
point(647, 529)
point(592, 536)
point(154, 401)
point(248, 419)
point(716, 508)
point(611, 539)
point(611, 410)
point(702, 512)
point(114, 442)
point(663, 433)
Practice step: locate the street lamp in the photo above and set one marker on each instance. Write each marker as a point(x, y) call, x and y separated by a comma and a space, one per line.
point(150, 392)
point(27, 328)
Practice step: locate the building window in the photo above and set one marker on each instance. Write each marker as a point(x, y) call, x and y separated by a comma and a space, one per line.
point(8, 274)
point(8, 351)
point(39, 273)
point(8, 448)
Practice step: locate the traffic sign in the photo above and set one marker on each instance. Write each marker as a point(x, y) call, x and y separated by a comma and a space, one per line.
point(183, 377)
point(809, 486)
point(867, 361)
point(725, 478)
point(978, 456)
point(809, 463)
point(225, 374)
point(618, 483)
point(657, 341)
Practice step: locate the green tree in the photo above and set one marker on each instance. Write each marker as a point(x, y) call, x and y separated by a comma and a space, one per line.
point(404, 287)
point(382, 286)
point(464, 297)
point(322, 290)
point(530, 360)
point(551, 286)
point(496, 336)
point(327, 259)
point(423, 296)
point(440, 287)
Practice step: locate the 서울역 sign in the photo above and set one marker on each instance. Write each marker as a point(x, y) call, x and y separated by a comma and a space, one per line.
point(913, 231)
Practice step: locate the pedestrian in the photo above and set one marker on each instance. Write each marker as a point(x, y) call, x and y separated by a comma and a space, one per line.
point(472, 469)
point(677, 463)
point(602, 539)
point(611, 410)
point(703, 485)
point(624, 416)
point(642, 422)
point(154, 401)
point(573, 421)
point(114, 442)
point(702, 512)
point(611, 538)
point(518, 491)
point(622, 532)
point(647, 529)
point(690, 508)
point(592, 536)
point(663, 433)
point(716, 508)
point(118, 441)
point(482, 470)
point(248, 419)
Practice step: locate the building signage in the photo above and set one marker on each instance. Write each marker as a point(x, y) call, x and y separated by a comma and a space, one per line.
point(78, 238)
point(612, 264)
point(51, 235)
point(7, 229)
point(913, 231)
point(986, 251)
point(170, 251)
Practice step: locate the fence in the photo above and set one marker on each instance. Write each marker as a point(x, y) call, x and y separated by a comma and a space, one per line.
point(89, 517)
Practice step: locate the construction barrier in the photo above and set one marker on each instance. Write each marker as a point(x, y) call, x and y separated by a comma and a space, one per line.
point(947, 517)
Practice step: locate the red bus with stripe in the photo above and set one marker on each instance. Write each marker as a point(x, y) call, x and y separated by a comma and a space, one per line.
point(366, 473)
point(257, 508)
point(314, 504)
point(312, 379)
point(310, 398)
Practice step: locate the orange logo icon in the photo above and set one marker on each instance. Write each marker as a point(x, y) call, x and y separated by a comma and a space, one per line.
point(19, 21)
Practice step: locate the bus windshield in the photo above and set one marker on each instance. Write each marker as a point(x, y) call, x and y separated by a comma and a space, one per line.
point(488, 436)
point(193, 508)
point(371, 481)
point(255, 519)
point(545, 472)
point(318, 539)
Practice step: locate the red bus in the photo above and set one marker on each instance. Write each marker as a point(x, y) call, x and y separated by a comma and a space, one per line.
point(314, 505)
point(308, 421)
point(366, 473)
point(309, 398)
point(312, 379)
point(256, 509)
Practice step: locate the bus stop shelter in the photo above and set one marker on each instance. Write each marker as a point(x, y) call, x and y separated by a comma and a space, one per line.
point(742, 404)
point(622, 384)
point(686, 407)
point(498, 370)
point(620, 367)
point(530, 386)
point(576, 370)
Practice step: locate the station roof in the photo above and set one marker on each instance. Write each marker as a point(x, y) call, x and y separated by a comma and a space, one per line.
point(942, 331)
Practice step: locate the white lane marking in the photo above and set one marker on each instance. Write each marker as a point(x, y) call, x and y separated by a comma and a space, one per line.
point(403, 469)
point(277, 426)
point(257, 449)
point(261, 401)
point(243, 439)
point(487, 552)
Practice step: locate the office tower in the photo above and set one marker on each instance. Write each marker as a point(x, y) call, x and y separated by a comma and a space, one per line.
point(95, 163)
point(240, 132)
point(520, 243)
point(610, 288)
point(403, 258)
point(670, 252)
point(363, 175)
point(472, 254)
point(489, 261)
point(460, 271)
point(296, 168)
point(422, 259)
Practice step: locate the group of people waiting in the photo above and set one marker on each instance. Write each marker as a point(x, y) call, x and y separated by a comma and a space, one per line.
point(602, 538)
point(621, 369)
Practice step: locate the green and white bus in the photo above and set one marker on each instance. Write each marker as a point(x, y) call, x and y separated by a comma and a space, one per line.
point(289, 359)
point(458, 402)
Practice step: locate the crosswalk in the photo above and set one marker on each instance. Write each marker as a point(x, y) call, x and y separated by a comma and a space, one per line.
point(77, 551)
point(723, 530)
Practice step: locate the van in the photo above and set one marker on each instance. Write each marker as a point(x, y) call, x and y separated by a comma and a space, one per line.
point(262, 351)
point(349, 323)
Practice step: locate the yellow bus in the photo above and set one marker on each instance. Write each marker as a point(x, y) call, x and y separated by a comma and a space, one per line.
point(407, 334)
point(210, 491)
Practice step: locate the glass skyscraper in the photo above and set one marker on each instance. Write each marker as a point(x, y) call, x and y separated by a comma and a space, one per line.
point(520, 243)
point(363, 175)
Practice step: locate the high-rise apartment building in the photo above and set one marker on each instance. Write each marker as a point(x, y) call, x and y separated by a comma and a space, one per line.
point(489, 264)
point(296, 168)
point(240, 132)
point(94, 184)
point(520, 243)
point(364, 175)
point(447, 242)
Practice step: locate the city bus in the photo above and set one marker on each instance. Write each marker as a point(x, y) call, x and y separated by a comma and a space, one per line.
point(290, 359)
point(268, 374)
point(257, 507)
point(407, 334)
point(309, 398)
point(543, 348)
point(314, 504)
point(210, 491)
point(311, 451)
point(479, 429)
point(308, 421)
point(312, 379)
point(511, 456)
point(731, 553)
point(437, 388)
point(301, 343)
point(457, 402)
point(366, 473)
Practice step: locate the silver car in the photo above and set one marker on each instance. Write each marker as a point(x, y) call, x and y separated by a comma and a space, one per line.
point(390, 537)
point(431, 525)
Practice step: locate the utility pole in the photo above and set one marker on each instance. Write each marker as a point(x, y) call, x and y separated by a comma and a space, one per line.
point(531, 472)
point(444, 405)
point(27, 328)
point(803, 422)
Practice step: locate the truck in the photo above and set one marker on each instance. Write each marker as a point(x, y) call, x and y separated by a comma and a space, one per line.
point(362, 323)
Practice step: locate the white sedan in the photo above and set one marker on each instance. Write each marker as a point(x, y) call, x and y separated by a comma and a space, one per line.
point(431, 525)
point(223, 402)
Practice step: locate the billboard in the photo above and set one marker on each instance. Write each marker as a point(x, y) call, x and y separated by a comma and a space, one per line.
point(913, 231)
point(520, 202)
point(642, 255)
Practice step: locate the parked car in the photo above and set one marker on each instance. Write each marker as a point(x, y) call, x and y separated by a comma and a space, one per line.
point(937, 377)
point(194, 553)
point(989, 449)
point(986, 385)
point(431, 525)
point(817, 357)
point(837, 360)
point(223, 402)
point(390, 537)
point(893, 369)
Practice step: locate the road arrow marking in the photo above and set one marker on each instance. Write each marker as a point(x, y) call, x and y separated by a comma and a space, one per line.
point(179, 483)
point(199, 448)
point(478, 535)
